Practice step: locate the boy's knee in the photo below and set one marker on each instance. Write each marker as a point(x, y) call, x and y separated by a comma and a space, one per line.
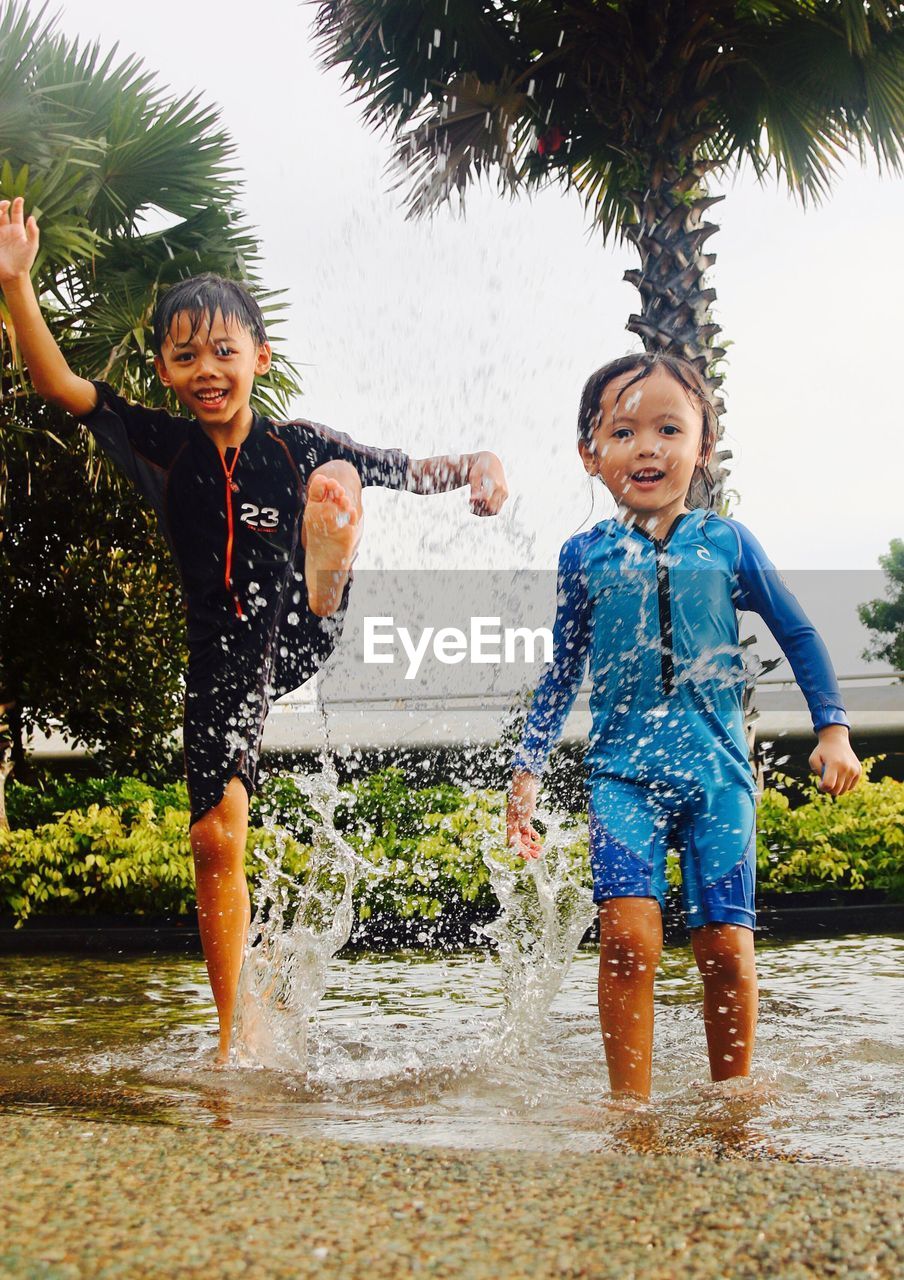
point(210, 840)
point(215, 835)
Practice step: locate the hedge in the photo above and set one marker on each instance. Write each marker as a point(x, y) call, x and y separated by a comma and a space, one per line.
point(127, 850)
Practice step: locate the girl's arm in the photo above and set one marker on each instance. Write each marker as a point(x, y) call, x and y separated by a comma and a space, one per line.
point(482, 471)
point(761, 588)
point(553, 699)
point(51, 376)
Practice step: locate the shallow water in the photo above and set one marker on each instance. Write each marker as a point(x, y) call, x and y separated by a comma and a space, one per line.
point(407, 1048)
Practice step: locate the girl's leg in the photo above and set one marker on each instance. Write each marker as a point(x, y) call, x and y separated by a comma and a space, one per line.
point(630, 948)
point(725, 958)
point(224, 908)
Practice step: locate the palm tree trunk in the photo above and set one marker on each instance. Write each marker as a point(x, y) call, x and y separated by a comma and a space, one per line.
point(675, 315)
point(11, 750)
point(6, 768)
point(6, 760)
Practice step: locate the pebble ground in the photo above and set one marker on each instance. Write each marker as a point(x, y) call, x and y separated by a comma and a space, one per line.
point(82, 1200)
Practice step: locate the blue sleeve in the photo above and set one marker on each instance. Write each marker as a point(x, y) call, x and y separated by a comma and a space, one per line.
point(562, 678)
point(761, 589)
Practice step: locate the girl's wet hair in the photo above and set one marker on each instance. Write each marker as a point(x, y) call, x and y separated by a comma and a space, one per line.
point(687, 375)
point(201, 298)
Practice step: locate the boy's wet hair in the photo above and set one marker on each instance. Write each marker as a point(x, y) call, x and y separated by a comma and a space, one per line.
point(200, 298)
point(687, 375)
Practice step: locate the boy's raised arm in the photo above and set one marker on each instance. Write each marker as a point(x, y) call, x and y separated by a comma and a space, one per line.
point(51, 376)
point(483, 472)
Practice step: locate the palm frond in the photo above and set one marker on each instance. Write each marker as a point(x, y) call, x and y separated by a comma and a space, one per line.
point(794, 99)
point(172, 157)
point(22, 35)
point(91, 140)
point(608, 192)
point(455, 141)
point(790, 85)
point(54, 196)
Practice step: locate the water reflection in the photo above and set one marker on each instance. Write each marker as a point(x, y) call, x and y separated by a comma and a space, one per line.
point(404, 1048)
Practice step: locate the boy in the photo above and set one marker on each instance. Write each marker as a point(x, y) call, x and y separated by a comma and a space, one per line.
point(263, 520)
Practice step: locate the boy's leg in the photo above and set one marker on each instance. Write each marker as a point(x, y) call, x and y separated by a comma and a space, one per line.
point(630, 949)
point(725, 958)
point(330, 533)
point(224, 909)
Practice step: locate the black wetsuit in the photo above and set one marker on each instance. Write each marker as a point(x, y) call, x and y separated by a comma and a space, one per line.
point(233, 524)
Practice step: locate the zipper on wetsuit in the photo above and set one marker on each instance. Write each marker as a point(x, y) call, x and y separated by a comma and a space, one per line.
point(664, 599)
point(231, 487)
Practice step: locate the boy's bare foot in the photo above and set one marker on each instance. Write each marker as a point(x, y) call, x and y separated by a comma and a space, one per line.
point(332, 530)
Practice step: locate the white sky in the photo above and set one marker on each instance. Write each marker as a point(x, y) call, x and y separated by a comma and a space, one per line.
point(461, 334)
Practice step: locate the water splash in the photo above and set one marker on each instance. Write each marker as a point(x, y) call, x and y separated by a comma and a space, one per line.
point(299, 924)
point(545, 911)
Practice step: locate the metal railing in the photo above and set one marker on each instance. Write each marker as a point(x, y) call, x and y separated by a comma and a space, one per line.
point(490, 699)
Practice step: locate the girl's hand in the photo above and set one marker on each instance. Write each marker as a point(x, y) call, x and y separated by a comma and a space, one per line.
point(488, 488)
point(522, 801)
point(833, 760)
point(18, 240)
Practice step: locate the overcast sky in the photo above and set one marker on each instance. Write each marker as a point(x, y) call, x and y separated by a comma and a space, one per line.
point(461, 334)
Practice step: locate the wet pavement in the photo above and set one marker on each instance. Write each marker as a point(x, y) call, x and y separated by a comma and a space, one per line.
point(94, 1201)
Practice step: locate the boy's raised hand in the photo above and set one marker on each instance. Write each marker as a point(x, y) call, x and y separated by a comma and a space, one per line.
point(522, 801)
point(834, 761)
point(489, 490)
point(19, 240)
point(51, 376)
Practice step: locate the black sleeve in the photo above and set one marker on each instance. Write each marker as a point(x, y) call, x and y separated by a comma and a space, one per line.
point(142, 443)
point(311, 445)
point(123, 429)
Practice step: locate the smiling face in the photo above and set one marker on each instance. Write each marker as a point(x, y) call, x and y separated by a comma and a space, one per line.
point(212, 370)
point(645, 445)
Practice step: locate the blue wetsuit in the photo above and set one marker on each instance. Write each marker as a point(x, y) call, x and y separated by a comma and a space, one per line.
point(667, 758)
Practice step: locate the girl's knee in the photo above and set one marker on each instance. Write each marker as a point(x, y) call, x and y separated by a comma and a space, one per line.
point(724, 951)
point(630, 937)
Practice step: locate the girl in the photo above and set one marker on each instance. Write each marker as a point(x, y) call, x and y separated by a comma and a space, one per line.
point(650, 599)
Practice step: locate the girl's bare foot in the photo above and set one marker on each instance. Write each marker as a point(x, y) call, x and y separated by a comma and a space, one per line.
point(332, 530)
point(630, 1103)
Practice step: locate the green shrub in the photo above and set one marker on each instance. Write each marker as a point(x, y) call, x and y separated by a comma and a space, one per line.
point(426, 843)
point(853, 842)
point(32, 806)
point(98, 861)
point(132, 854)
point(437, 866)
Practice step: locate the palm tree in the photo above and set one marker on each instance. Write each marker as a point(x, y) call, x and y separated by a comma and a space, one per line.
point(101, 152)
point(134, 189)
point(636, 105)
